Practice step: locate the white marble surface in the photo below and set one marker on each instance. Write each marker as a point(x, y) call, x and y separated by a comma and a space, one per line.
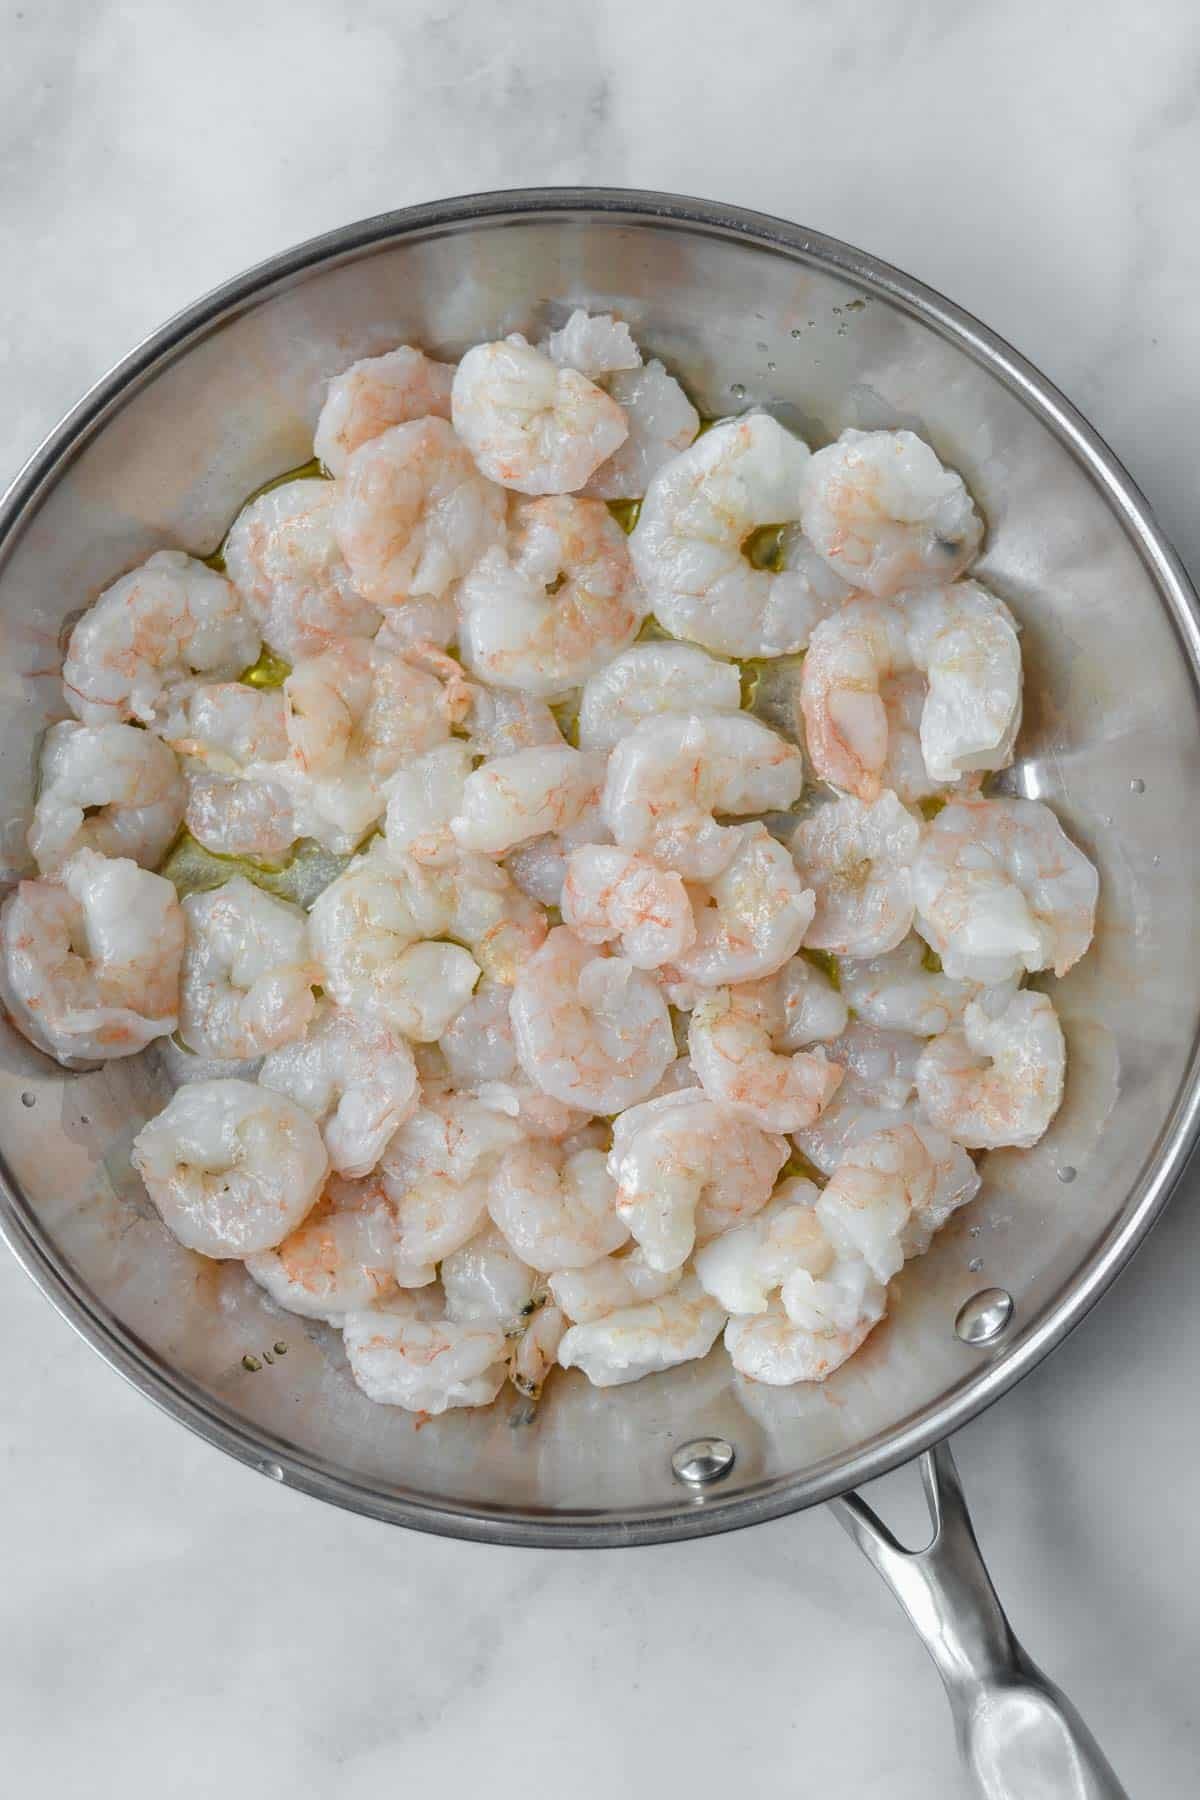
point(164, 1609)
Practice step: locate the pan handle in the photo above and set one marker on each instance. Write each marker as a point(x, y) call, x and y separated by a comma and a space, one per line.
point(1019, 1738)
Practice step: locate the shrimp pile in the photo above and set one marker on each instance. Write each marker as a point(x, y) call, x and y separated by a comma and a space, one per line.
point(590, 1033)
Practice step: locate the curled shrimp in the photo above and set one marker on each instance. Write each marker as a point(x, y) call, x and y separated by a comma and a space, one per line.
point(478, 1044)
point(843, 1310)
point(662, 422)
point(611, 895)
point(338, 1260)
point(227, 725)
point(733, 1039)
point(597, 344)
point(814, 1010)
point(997, 1079)
point(668, 778)
point(166, 622)
point(434, 1217)
point(858, 859)
point(649, 679)
point(231, 1167)
point(90, 958)
point(247, 978)
point(1000, 888)
point(555, 602)
point(356, 1078)
point(423, 795)
point(525, 795)
point(610, 1284)
point(688, 1167)
point(687, 546)
point(556, 1208)
point(962, 639)
point(645, 1339)
point(529, 422)
point(424, 1365)
point(751, 919)
point(744, 1268)
point(878, 1083)
point(284, 559)
point(501, 720)
point(900, 991)
point(109, 788)
point(885, 514)
point(589, 1029)
point(414, 513)
point(891, 1191)
point(232, 816)
point(371, 396)
point(486, 1283)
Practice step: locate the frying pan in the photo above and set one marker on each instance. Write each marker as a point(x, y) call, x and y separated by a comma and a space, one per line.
point(748, 310)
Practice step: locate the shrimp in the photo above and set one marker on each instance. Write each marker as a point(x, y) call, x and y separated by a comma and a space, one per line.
point(892, 1191)
point(904, 770)
point(423, 795)
point(878, 1083)
point(962, 639)
point(355, 1077)
point(451, 1137)
point(667, 779)
point(662, 422)
point(428, 623)
point(751, 919)
point(232, 816)
point(469, 899)
point(843, 1312)
point(109, 788)
point(164, 623)
point(525, 795)
point(231, 1167)
point(501, 720)
point(90, 958)
point(339, 1260)
point(732, 1042)
point(486, 1283)
point(227, 725)
point(478, 1044)
point(997, 1079)
point(370, 396)
point(901, 992)
point(435, 1216)
point(687, 1168)
point(590, 1030)
point(551, 606)
point(634, 1341)
point(647, 680)
point(556, 1209)
point(746, 1266)
point(813, 1008)
point(283, 557)
point(247, 978)
point(596, 344)
point(1000, 889)
point(424, 1365)
point(414, 513)
point(529, 423)
point(885, 514)
point(610, 894)
point(610, 1284)
point(687, 546)
point(858, 860)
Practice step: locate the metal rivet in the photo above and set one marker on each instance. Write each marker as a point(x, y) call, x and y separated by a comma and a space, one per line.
point(28, 1099)
point(975, 1264)
point(984, 1316)
point(702, 1461)
point(272, 1471)
point(738, 391)
point(1067, 1172)
point(1137, 785)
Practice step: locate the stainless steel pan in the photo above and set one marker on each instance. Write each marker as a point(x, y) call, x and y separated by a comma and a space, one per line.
point(748, 309)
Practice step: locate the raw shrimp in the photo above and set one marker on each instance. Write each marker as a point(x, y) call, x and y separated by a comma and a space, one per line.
point(687, 1168)
point(282, 555)
point(998, 1079)
point(880, 1079)
point(109, 788)
point(355, 1077)
point(469, 899)
point(646, 1339)
point(424, 1365)
point(813, 1008)
point(744, 1267)
point(501, 720)
point(529, 423)
point(169, 620)
point(486, 1283)
point(233, 816)
point(892, 1191)
point(668, 778)
point(733, 1036)
point(611, 894)
point(882, 510)
point(478, 1044)
point(961, 639)
point(423, 796)
point(227, 725)
point(435, 1216)
point(452, 1136)
point(339, 1260)
point(751, 919)
point(596, 344)
point(555, 602)
point(858, 860)
point(687, 546)
point(414, 513)
point(537, 1350)
point(1000, 888)
point(372, 395)
point(649, 679)
point(231, 1167)
point(901, 992)
point(89, 959)
point(590, 1030)
point(610, 1284)
point(428, 623)
point(248, 974)
point(556, 1210)
point(904, 770)
point(525, 795)
point(842, 1314)
point(662, 422)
